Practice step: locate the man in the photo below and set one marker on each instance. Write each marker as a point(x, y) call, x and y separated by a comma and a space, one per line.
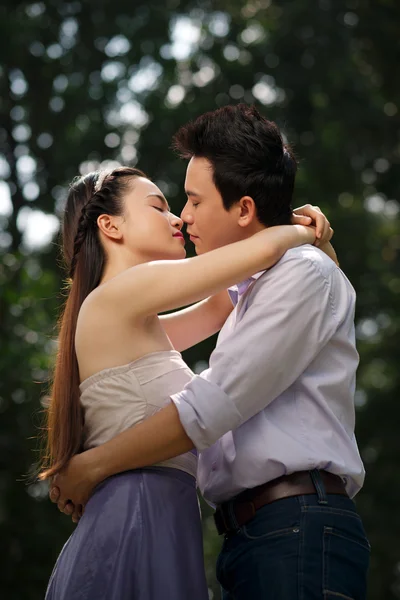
point(273, 416)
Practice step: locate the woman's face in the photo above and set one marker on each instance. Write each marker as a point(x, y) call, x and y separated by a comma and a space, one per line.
point(150, 231)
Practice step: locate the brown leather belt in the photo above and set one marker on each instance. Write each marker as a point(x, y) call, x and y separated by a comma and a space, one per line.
point(244, 506)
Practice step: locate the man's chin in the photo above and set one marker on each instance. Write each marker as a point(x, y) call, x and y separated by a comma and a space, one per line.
point(201, 248)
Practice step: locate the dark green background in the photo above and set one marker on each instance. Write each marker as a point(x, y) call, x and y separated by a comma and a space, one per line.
point(329, 72)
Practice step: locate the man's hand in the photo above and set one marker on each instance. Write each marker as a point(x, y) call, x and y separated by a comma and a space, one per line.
point(152, 441)
point(312, 215)
point(72, 488)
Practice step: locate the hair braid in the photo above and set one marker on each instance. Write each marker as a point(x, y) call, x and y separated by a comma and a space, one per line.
point(79, 238)
point(90, 196)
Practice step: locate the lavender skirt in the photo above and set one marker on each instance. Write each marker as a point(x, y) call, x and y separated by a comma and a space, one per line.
point(139, 539)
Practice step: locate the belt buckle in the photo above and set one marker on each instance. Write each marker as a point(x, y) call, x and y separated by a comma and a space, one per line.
point(220, 521)
point(221, 518)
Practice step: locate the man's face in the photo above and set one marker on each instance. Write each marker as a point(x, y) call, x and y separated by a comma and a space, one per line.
point(209, 225)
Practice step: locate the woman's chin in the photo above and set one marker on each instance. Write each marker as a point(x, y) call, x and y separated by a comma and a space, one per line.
point(177, 255)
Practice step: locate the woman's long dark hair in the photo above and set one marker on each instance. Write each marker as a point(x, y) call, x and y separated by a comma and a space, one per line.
point(89, 197)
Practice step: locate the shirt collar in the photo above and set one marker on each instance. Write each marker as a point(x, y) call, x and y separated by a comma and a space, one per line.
point(236, 291)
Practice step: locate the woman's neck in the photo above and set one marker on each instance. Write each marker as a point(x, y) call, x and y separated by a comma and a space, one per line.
point(117, 265)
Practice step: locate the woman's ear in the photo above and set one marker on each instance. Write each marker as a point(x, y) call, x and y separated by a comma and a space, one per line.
point(247, 211)
point(110, 226)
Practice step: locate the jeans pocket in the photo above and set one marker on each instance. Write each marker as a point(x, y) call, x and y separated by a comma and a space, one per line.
point(273, 521)
point(258, 533)
point(346, 553)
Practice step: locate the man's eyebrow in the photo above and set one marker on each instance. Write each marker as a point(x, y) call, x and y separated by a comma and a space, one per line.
point(163, 200)
point(190, 193)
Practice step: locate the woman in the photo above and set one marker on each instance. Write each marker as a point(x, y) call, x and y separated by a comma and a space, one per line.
point(140, 537)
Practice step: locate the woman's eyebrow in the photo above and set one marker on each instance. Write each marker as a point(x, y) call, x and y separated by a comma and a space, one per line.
point(163, 200)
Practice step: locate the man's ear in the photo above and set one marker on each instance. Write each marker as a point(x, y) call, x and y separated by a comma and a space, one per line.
point(110, 226)
point(247, 211)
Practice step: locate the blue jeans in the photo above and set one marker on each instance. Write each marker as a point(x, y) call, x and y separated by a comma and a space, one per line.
point(310, 547)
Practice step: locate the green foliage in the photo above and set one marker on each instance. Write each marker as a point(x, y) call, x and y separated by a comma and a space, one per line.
point(71, 99)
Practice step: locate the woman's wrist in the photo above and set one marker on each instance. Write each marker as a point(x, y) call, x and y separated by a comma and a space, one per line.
point(329, 250)
point(297, 235)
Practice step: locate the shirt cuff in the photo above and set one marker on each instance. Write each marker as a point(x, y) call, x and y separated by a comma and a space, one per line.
point(205, 412)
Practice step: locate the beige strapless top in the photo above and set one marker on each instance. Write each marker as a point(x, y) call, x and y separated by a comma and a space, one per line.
point(118, 398)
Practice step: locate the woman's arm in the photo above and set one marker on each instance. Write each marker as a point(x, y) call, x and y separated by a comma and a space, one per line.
point(159, 286)
point(190, 326)
point(330, 251)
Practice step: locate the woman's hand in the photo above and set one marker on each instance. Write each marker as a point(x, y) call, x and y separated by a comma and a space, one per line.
point(306, 215)
point(305, 234)
point(312, 215)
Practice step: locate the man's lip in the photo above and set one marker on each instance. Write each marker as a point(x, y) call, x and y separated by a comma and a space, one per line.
point(192, 236)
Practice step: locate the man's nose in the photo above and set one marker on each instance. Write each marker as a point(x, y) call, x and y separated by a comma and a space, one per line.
point(186, 215)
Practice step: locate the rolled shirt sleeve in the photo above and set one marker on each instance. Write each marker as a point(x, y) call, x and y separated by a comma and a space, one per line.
point(292, 312)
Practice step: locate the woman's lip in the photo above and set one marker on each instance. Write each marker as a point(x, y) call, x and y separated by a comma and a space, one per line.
point(179, 235)
point(180, 238)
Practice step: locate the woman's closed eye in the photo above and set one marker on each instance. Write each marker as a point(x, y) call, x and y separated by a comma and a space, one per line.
point(159, 208)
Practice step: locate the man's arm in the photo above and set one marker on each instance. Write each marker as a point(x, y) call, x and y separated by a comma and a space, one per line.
point(288, 321)
point(290, 317)
point(124, 452)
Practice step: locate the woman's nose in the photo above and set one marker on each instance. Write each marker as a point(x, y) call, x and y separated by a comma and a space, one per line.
point(176, 222)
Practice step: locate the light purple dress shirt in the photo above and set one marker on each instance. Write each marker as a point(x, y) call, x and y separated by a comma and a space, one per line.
point(278, 396)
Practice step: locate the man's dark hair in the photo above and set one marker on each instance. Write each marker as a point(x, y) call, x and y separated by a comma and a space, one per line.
point(248, 156)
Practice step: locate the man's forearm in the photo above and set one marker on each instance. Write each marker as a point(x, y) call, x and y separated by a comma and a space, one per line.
point(154, 440)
